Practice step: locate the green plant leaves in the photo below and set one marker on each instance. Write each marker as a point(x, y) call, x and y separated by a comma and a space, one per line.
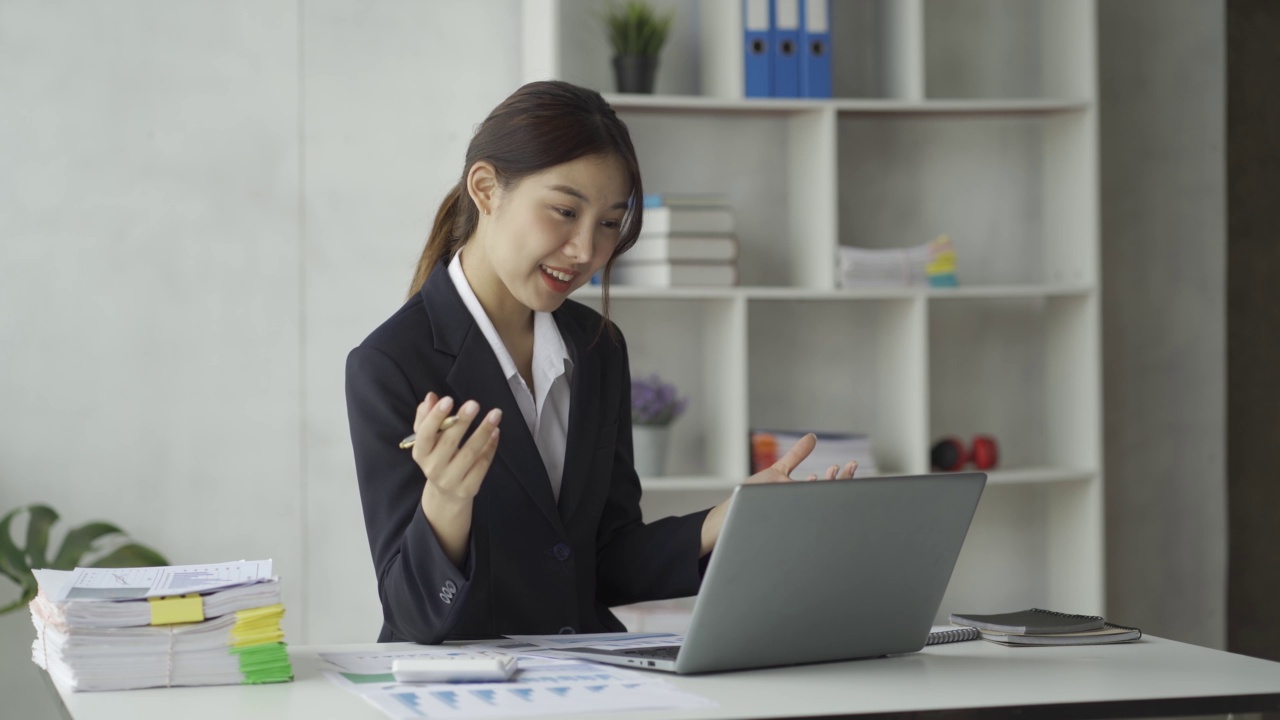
point(16, 563)
point(38, 522)
point(131, 555)
point(636, 29)
point(12, 562)
point(79, 541)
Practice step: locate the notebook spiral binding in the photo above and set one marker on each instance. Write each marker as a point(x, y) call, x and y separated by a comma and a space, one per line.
point(959, 634)
point(1073, 616)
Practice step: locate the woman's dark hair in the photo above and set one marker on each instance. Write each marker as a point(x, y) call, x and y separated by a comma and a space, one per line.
point(541, 125)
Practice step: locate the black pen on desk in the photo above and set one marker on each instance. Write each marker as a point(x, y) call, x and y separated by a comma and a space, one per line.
point(408, 442)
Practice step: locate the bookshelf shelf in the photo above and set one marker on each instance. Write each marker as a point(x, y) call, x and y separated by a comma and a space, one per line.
point(1036, 475)
point(623, 292)
point(973, 118)
point(851, 106)
point(1009, 291)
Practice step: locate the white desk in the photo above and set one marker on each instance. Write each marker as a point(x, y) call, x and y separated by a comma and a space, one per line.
point(980, 679)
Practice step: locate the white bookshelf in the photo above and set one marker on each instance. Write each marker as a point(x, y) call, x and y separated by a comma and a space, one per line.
point(975, 118)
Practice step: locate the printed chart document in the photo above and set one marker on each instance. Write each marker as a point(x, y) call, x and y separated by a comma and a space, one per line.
point(601, 641)
point(146, 582)
point(542, 686)
point(379, 663)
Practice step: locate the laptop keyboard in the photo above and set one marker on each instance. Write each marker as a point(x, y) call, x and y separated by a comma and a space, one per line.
point(666, 652)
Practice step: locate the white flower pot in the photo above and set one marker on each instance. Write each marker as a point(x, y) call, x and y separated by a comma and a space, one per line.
point(650, 442)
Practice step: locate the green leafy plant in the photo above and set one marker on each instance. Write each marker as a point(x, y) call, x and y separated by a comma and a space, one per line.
point(635, 28)
point(16, 563)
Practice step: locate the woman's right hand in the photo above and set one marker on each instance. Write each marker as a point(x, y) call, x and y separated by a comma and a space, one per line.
point(454, 473)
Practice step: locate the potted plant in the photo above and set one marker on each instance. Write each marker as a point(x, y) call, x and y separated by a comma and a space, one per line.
point(655, 405)
point(105, 544)
point(637, 33)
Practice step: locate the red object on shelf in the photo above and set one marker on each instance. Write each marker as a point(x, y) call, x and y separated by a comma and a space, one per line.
point(949, 454)
point(984, 452)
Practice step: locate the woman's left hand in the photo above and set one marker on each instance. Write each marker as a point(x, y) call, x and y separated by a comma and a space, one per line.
point(779, 472)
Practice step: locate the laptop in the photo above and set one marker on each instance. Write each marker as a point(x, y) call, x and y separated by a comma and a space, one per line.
point(808, 572)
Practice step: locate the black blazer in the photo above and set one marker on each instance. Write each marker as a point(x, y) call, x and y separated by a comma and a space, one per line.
point(533, 566)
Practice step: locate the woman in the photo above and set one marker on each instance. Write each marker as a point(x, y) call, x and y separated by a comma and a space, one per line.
point(538, 531)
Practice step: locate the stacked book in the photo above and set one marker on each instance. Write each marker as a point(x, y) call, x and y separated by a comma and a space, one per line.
point(1046, 627)
point(832, 449)
point(112, 629)
point(687, 240)
point(932, 264)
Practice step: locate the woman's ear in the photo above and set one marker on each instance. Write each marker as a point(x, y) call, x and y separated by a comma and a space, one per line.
point(482, 186)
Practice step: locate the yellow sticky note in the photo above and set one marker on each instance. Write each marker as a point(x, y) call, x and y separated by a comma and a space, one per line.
point(177, 609)
point(257, 625)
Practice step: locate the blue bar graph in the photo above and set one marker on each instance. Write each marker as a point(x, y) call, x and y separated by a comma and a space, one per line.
point(448, 697)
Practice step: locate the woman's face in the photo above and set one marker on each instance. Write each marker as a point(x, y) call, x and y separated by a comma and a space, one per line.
point(553, 230)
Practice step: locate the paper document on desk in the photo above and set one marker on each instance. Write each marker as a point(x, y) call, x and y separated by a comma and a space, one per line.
point(489, 700)
point(602, 641)
point(147, 582)
point(370, 663)
point(540, 687)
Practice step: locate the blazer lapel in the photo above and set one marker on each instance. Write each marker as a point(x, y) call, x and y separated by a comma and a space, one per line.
point(476, 375)
point(584, 415)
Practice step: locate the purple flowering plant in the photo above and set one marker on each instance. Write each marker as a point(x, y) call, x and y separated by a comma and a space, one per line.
point(654, 402)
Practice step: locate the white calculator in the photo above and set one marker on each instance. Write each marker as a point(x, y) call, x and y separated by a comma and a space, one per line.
point(454, 669)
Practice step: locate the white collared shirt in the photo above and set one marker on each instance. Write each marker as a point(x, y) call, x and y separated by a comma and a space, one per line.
point(546, 407)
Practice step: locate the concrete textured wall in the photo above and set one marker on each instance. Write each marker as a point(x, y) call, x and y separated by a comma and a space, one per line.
point(1162, 124)
point(203, 206)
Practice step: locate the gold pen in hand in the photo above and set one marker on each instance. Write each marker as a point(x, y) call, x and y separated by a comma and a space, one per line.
point(408, 442)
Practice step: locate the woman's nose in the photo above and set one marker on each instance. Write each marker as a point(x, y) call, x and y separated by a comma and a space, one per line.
point(578, 248)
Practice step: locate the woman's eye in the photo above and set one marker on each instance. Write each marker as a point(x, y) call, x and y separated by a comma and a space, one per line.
point(566, 213)
point(611, 224)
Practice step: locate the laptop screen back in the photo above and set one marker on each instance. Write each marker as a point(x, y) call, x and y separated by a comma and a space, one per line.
point(832, 570)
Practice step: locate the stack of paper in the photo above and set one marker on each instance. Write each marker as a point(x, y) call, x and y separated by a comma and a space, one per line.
point(666, 616)
point(932, 264)
point(126, 628)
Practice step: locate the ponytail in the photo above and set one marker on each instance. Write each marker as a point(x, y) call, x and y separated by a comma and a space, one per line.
point(454, 223)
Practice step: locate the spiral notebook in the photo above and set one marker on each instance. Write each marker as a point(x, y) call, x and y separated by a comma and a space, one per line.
point(1030, 622)
point(1105, 635)
point(939, 634)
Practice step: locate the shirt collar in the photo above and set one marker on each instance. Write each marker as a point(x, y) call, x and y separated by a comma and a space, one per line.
point(550, 355)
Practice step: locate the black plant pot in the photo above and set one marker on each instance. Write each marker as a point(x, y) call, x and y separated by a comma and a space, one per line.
point(635, 73)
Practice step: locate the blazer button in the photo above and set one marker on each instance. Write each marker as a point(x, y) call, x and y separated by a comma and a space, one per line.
point(447, 592)
point(566, 630)
point(562, 552)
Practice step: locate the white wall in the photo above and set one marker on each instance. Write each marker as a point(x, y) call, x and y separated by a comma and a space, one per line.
point(392, 95)
point(203, 206)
